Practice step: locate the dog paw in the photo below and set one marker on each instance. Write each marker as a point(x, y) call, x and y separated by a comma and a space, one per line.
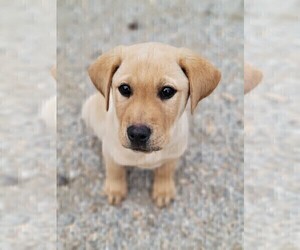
point(163, 192)
point(115, 191)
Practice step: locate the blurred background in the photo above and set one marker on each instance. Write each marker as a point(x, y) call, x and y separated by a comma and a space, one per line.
point(227, 198)
point(272, 178)
point(208, 210)
point(28, 149)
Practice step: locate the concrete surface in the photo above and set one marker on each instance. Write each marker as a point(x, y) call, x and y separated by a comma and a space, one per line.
point(208, 212)
point(28, 150)
point(272, 178)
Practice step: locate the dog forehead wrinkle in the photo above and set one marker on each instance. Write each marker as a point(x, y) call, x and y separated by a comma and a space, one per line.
point(119, 77)
point(157, 74)
point(149, 65)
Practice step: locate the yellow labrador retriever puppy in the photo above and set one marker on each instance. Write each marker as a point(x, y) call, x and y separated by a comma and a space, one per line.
point(140, 113)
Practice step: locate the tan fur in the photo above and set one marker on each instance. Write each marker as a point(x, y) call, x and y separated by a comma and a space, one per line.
point(48, 110)
point(252, 77)
point(115, 183)
point(203, 76)
point(164, 186)
point(102, 70)
point(53, 72)
point(146, 68)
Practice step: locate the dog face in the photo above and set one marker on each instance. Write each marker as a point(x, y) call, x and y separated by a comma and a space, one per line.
point(150, 85)
point(150, 92)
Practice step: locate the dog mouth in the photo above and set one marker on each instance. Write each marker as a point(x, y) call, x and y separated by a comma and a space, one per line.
point(142, 149)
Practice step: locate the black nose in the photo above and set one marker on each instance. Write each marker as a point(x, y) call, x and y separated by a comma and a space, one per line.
point(138, 134)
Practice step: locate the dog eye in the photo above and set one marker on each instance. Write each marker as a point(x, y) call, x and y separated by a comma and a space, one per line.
point(166, 92)
point(125, 90)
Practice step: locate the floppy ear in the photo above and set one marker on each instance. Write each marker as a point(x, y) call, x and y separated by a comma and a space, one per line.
point(103, 69)
point(203, 76)
point(252, 77)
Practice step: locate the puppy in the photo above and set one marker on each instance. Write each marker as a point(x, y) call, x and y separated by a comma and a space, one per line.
point(140, 111)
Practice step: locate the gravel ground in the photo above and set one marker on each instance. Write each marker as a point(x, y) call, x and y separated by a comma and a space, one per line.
point(28, 154)
point(208, 211)
point(272, 179)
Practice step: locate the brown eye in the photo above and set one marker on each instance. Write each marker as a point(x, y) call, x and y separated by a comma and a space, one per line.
point(125, 90)
point(166, 93)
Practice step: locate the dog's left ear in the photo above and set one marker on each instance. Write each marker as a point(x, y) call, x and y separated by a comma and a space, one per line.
point(202, 75)
point(252, 77)
point(103, 69)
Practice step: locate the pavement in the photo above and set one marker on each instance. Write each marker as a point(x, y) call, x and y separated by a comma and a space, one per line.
point(28, 149)
point(271, 168)
point(227, 197)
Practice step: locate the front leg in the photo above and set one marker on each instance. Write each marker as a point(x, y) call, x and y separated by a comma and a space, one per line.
point(164, 186)
point(115, 182)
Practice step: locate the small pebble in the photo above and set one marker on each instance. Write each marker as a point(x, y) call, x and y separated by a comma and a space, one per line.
point(133, 25)
point(228, 97)
point(136, 214)
point(62, 180)
point(276, 97)
point(151, 220)
point(210, 127)
point(65, 220)
point(183, 181)
point(93, 237)
point(8, 180)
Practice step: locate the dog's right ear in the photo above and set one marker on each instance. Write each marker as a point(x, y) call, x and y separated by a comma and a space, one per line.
point(103, 69)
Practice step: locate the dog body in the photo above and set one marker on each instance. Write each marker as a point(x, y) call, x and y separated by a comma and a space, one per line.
point(140, 113)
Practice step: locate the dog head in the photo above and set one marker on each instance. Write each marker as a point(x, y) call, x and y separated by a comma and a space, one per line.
point(150, 85)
